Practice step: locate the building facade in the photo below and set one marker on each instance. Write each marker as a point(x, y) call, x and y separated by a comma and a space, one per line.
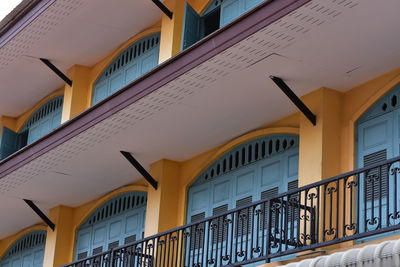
point(156, 136)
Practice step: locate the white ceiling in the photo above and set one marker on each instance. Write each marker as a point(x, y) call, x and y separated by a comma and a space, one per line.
point(68, 32)
point(221, 99)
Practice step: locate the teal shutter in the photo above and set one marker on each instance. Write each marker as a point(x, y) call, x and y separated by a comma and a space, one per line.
point(9, 142)
point(378, 139)
point(252, 171)
point(232, 9)
point(191, 27)
point(133, 62)
point(28, 251)
point(43, 121)
point(118, 222)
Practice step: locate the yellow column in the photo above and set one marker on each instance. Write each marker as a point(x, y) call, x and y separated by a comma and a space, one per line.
point(59, 244)
point(76, 96)
point(320, 144)
point(162, 211)
point(320, 148)
point(171, 30)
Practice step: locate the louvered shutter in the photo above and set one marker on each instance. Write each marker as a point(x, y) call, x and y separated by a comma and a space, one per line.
point(245, 216)
point(9, 142)
point(221, 232)
point(27, 251)
point(119, 221)
point(375, 181)
point(191, 27)
point(268, 194)
point(197, 236)
point(133, 62)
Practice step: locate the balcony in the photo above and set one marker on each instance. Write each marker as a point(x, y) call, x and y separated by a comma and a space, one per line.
point(352, 206)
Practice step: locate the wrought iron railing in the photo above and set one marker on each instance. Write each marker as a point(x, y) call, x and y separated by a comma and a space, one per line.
point(351, 206)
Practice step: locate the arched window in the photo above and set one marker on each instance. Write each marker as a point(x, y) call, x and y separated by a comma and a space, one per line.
point(42, 122)
point(378, 139)
point(119, 221)
point(27, 251)
point(217, 14)
point(136, 60)
point(252, 171)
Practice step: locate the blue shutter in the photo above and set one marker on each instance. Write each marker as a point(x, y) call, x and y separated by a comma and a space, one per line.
point(378, 139)
point(232, 9)
point(118, 222)
point(191, 27)
point(44, 120)
point(250, 172)
point(133, 62)
point(9, 142)
point(27, 251)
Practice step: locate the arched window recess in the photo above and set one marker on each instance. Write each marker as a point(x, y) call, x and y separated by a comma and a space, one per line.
point(133, 62)
point(43, 121)
point(27, 251)
point(117, 222)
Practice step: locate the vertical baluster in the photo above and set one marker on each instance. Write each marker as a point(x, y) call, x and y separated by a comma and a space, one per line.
point(281, 233)
point(268, 212)
point(286, 221)
point(395, 197)
point(345, 183)
point(380, 177)
point(337, 209)
point(317, 208)
point(246, 232)
point(218, 258)
point(232, 237)
point(324, 213)
point(304, 217)
point(207, 226)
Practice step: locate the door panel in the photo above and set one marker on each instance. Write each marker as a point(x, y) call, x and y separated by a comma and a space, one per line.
point(191, 26)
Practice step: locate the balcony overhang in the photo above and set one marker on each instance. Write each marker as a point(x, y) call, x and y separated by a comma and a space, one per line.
point(177, 110)
point(79, 32)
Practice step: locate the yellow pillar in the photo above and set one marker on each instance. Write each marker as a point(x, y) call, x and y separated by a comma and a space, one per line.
point(320, 144)
point(171, 33)
point(76, 96)
point(59, 244)
point(162, 210)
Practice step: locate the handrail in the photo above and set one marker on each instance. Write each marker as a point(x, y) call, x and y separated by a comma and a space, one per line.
point(350, 206)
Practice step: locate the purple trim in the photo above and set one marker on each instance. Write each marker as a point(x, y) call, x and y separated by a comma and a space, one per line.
point(224, 38)
point(25, 21)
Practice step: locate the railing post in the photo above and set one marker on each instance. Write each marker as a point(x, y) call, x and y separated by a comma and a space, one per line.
point(268, 212)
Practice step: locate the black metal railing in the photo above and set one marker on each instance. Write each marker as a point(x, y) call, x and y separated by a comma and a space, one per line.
point(350, 206)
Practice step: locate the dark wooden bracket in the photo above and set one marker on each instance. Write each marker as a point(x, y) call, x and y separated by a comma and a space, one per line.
point(40, 214)
point(140, 169)
point(58, 72)
point(295, 99)
point(163, 8)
